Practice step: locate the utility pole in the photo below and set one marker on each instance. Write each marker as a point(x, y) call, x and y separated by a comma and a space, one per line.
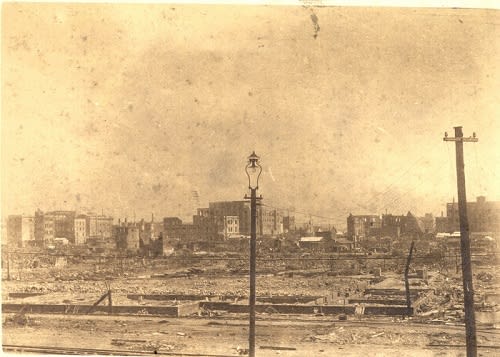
point(470, 320)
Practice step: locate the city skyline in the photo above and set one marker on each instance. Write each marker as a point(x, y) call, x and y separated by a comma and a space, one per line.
point(155, 108)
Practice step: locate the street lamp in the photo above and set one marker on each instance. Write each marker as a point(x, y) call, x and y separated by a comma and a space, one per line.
point(253, 170)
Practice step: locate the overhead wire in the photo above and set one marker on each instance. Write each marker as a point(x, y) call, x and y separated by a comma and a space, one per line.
point(451, 176)
point(477, 173)
point(393, 201)
point(390, 197)
point(304, 213)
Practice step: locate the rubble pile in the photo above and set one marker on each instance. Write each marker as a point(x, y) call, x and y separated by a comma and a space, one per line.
point(268, 285)
point(20, 319)
point(363, 335)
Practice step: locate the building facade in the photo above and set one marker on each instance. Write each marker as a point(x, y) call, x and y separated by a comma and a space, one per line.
point(39, 227)
point(269, 221)
point(48, 227)
point(428, 223)
point(99, 226)
point(396, 226)
point(230, 226)
point(483, 216)
point(289, 224)
point(441, 224)
point(80, 229)
point(392, 225)
point(20, 230)
point(360, 227)
point(63, 224)
point(127, 237)
point(241, 209)
point(176, 231)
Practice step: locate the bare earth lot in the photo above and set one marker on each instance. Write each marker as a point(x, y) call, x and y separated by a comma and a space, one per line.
point(436, 331)
point(308, 336)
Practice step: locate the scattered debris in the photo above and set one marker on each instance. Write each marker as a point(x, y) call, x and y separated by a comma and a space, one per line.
point(278, 348)
point(242, 351)
point(484, 276)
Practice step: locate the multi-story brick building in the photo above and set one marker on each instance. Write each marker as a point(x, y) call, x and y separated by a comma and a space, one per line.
point(20, 230)
point(241, 209)
point(213, 227)
point(39, 227)
point(80, 229)
point(48, 227)
point(483, 216)
point(360, 227)
point(174, 229)
point(230, 226)
point(392, 225)
point(428, 223)
point(441, 225)
point(99, 226)
point(63, 224)
point(127, 237)
point(44, 227)
point(150, 231)
point(407, 225)
point(289, 223)
point(269, 220)
point(77, 229)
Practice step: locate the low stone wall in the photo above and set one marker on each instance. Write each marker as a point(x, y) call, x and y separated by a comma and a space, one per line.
point(190, 308)
point(378, 301)
point(23, 295)
point(393, 292)
point(388, 310)
point(167, 297)
point(314, 300)
point(305, 309)
point(174, 311)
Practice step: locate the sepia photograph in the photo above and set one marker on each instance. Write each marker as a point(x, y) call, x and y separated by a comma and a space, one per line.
point(237, 179)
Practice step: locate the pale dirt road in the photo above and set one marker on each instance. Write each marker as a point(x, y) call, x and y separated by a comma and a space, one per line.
point(222, 336)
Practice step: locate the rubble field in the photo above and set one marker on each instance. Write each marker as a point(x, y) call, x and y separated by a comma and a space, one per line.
point(437, 325)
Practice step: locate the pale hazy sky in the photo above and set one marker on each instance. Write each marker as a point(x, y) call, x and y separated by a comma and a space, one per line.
point(137, 107)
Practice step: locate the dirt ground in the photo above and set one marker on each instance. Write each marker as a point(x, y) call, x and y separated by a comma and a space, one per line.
point(431, 332)
point(303, 336)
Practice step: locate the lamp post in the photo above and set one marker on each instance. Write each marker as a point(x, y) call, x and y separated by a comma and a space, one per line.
point(253, 170)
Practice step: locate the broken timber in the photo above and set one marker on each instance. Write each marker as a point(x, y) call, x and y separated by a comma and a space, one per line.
point(107, 294)
point(407, 283)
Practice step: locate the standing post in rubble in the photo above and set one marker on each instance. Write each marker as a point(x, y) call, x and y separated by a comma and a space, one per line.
point(253, 170)
point(407, 283)
point(8, 266)
point(470, 320)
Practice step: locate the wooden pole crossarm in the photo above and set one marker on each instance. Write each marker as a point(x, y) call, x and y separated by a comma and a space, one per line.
point(469, 139)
